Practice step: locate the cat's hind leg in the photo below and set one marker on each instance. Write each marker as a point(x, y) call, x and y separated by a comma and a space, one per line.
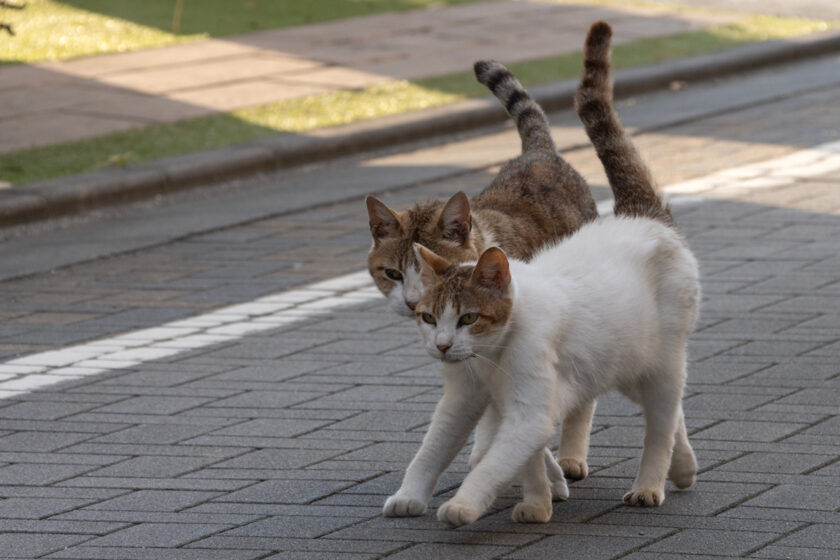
point(559, 488)
point(683, 469)
point(660, 398)
point(535, 506)
point(574, 443)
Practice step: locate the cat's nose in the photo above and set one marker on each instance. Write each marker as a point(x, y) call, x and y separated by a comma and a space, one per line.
point(411, 304)
point(443, 348)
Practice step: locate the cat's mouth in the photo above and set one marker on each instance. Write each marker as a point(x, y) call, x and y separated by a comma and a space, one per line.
point(453, 358)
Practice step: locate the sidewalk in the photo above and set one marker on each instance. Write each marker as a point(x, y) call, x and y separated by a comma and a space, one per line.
point(246, 414)
point(63, 101)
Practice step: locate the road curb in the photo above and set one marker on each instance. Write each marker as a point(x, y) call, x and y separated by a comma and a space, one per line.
point(78, 193)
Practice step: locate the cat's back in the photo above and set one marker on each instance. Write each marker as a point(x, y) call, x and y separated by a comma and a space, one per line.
point(628, 254)
point(532, 202)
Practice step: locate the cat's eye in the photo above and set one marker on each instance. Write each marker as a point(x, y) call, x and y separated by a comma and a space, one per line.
point(394, 274)
point(468, 318)
point(428, 318)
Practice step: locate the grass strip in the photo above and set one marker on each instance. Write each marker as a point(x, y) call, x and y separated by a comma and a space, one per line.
point(300, 115)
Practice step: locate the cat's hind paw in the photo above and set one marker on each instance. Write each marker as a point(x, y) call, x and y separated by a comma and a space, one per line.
point(644, 497)
point(683, 470)
point(531, 513)
point(559, 490)
point(457, 514)
point(398, 506)
point(574, 469)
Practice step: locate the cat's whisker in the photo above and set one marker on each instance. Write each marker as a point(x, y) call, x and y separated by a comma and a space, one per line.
point(494, 364)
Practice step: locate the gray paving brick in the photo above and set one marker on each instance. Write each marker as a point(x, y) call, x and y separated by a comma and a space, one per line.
point(776, 462)
point(139, 483)
point(266, 399)
point(28, 545)
point(309, 555)
point(154, 467)
point(712, 542)
point(454, 551)
point(41, 411)
point(153, 405)
point(294, 527)
point(815, 536)
point(378, 548)
point(277, 458)
point(132, 553)
point(799, 497)
point(284, 492)
point(33, 473)
point(594, 547)
point(166, 535)
point(154, 500)
point(272, 427)
point(31, 508)
point(154, 434)
point(748, 431)
point(40, 441)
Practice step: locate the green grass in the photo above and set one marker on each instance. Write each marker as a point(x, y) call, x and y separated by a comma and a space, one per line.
point(53, 30)
point(300, 115)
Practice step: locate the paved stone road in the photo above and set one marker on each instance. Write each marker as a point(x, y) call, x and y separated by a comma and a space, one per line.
point(284, 443)
point(90, 96)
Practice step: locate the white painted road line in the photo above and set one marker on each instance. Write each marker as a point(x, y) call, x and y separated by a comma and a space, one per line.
point(38, 371)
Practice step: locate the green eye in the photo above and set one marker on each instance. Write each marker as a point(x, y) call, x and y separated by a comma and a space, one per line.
point(468, 318)
point(428, 318)
point(394, 274)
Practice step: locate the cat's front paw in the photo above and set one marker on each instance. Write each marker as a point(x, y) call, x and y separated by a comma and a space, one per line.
point(574, 469)
point(456, 514)
point(531, 513)
point(401, 506)
point(644, 497)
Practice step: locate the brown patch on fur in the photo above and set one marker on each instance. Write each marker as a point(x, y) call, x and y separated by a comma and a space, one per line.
point(630, 179)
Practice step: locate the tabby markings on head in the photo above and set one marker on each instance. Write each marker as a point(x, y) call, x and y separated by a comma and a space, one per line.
point(391, 261)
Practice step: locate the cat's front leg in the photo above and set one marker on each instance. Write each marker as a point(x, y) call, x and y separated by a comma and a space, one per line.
point(535, 506)
point(455, 416)
point(517, 442)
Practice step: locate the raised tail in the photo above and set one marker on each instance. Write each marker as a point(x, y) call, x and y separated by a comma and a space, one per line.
point(529, 117)
point(630, 179)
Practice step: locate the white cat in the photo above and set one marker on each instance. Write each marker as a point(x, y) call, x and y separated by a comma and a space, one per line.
point(612, 306)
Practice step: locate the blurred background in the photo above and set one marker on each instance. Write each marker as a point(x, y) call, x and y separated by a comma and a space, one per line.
point(95, 84)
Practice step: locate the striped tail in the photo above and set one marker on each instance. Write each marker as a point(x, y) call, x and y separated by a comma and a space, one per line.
point(630, 179)
point(526, 113)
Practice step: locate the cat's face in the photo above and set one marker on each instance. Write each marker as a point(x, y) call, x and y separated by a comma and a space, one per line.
point(444, 228)
point(465, 308)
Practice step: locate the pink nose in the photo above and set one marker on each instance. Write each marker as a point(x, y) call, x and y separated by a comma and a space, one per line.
point(411, 304)
point(444, 347)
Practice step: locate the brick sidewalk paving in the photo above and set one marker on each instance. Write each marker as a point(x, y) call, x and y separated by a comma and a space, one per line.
point(285, 443)
point(62, 101)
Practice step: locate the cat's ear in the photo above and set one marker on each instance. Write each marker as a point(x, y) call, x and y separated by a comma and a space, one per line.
point(492, 271)
point(431, 265)
point(455, 220)
point(383, 221)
